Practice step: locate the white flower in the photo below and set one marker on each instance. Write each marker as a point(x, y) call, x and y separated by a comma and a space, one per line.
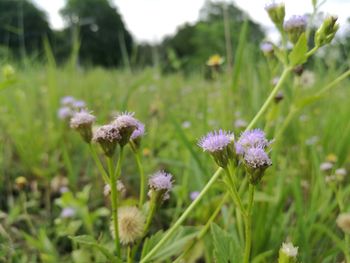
point(289, 250)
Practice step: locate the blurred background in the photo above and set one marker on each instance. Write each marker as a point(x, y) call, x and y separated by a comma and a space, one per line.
point(174, 35)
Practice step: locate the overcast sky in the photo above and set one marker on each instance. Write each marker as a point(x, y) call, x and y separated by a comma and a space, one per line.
point(151, 20)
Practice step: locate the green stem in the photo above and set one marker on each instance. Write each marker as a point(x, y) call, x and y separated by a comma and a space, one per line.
point(312, 51)
point(334, 82)
point(129, 260)
point(270, 98)
point(183, 216)
point(99, 164)
point(234, 192)
point(114, 200)
point(248, 225)
point(152, 210)
point(142, 179)
point(118, 168)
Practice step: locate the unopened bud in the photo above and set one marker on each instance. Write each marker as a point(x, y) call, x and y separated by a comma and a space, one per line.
point(325, 34)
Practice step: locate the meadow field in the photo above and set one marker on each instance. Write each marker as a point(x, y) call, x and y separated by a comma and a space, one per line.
point(54, 203)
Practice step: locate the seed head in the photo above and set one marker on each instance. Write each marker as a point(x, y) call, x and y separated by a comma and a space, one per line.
point(131, 223)
point(107, 136)
point(343, 222)
point(126, 125)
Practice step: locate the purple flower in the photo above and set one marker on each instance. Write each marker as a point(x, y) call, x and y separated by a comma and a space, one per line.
point(249, 139)
point(107, 136)
point(326, 166)
point(139, 131)
point(161, 181)
point(126, 124)
point(216, 141)
point(194, 195)
point(82, 119)
point(79, 104)
point(67, 101)
point(65, 113)
point(295, 22)
point(256, 158)
point(240, 123)
point(266, 47)
point(68, 212)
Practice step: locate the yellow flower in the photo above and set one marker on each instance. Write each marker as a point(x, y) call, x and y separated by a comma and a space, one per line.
point(215, 60)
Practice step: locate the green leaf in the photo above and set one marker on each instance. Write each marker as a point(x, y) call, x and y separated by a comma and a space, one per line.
point(90, 241)
point(226, 248)
point(298, 55)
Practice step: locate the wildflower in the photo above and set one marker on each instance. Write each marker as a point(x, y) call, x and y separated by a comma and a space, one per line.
point(240, 124)
point(325, 34)
point(67, 101)
point(256, 162)
point(295, 26)
point(215, 61)
point(65, 113)
point(220, 145)
point(120, 188)
point(82, 122)
point(79, 104)
point(68, 212)
point(332, 158)
point(341, 172)
point(266, 48)
point(137, 134)
point(326, 166)
point(249, 139)
point(275, 81)
point(21, 182)
point(126, 125)
point(107, 136)
point(58, 182)
point(194, 195)
point(161, 183)
point(276, 13)
point(343, 222)
point(146, 152)
point(288, 253)
point(131, 223)
point(186, 124)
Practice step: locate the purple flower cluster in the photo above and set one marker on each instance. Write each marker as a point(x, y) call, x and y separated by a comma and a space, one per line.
point(126, 124)
point(69, 105)
point(256, 158)
point(139, 131)
point(251, 139)
point(216, 141)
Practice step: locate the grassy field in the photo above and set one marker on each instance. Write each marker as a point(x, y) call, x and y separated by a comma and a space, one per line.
point(294, 201)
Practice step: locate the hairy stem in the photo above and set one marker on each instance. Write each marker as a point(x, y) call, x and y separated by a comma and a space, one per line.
point(248, 225)
point(99, 164)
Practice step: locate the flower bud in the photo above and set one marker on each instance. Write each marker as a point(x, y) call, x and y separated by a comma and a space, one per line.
point(325, 34)
point(294, 27)
point(276, 13)
point(256, 162)
point(160, 184)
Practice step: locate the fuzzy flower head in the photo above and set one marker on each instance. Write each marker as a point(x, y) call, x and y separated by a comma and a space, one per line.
point(288, 253)
point(251, 139)
point(137, 134)
point(82, 122)
point(343, 222)
point(107, 136)
point(295, 26)
point(161, 183)
point(65, 113)
point(266, 48)
point(220, 145)
point(131, 223)
point(256, 162)
point(79, 104)
point(276, 12)
point(126, 124)
point(67, 101)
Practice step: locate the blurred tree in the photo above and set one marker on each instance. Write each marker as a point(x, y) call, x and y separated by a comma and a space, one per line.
point(104, 38)
point(193, 44)
point(22, 26)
